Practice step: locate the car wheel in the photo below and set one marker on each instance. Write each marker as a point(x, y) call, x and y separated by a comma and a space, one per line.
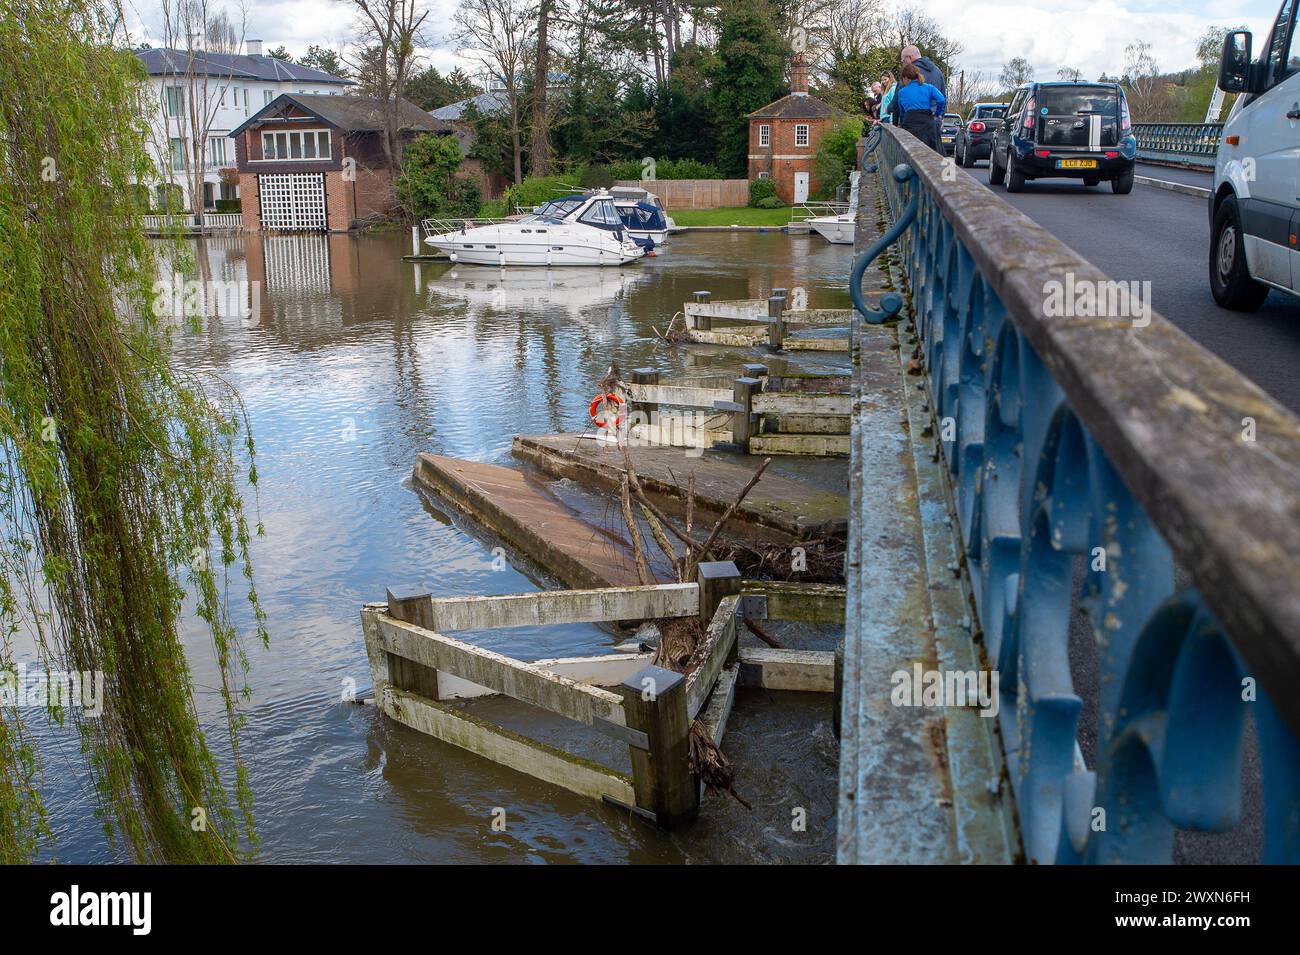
point(996, 172)
point(1230, 280)
point(1123, 183)
point(1015, 178)
point(966, 161)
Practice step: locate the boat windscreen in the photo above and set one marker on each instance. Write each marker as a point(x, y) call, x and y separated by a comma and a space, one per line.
point(557, 209)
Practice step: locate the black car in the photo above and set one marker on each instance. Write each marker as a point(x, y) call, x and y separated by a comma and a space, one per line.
point(975, 137)
point(1065, 131)
point(948, 132)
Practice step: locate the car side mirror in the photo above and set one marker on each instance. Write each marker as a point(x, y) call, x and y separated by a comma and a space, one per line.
point(1234, 64)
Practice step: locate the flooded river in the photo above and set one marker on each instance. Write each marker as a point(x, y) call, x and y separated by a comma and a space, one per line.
point(358, 362)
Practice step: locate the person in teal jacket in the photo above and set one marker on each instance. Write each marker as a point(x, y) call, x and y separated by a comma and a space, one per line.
point(887, 98)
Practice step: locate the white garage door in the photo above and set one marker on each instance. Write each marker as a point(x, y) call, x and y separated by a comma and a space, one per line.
point(292, 200)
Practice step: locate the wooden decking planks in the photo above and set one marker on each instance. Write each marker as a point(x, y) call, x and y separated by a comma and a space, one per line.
point(525, 515)
point(776, 503)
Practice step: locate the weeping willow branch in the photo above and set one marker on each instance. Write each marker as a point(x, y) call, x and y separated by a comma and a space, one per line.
point(120, 477)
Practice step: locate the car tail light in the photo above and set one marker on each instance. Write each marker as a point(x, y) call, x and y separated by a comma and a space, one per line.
point(976, 127)
point(1123, 114)
point(1042, 153)
point(1029, 113)
point(1112, 154)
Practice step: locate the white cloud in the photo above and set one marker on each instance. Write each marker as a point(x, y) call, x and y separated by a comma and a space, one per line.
point(1089, 35)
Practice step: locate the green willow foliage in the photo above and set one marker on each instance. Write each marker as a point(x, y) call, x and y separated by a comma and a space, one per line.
point(119, 479)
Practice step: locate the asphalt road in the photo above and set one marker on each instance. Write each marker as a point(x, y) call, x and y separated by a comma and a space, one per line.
point(1163, 237)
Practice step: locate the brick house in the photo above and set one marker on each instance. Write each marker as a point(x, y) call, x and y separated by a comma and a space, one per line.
point(317, 163)
point(783, 138)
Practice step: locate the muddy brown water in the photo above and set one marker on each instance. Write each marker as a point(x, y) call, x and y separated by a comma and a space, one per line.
point(359, 361)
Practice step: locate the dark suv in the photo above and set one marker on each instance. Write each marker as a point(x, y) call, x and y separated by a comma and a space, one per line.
point(975, 137)
point(1065, 131)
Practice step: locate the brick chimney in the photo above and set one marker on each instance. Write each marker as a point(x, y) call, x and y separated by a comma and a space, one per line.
point(799, 76)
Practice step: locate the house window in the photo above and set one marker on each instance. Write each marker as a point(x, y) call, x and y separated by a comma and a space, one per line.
point(217, 151)
point(765, 135)
point(266, 97)
point(175, 100)
point(801, 134)
point(307, 144)
point(178, 155)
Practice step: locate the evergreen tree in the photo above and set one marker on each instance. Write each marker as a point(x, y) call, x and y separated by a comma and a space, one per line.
point(752, 54)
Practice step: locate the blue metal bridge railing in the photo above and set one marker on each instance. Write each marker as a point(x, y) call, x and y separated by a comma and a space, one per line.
point(1107, 466)
point(1191, 143)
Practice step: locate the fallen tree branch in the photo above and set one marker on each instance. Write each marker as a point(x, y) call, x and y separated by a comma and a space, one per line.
point(691, 562)
point(634, 530)
point(759, 631)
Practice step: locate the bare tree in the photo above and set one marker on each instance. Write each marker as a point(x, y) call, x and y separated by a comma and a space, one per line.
point(839, 32)
point(973, 86)
point(1069, 74)
point(1148, 96)
point(498, 34)
point(199, 41)
point(909, 26)
point(388, 33)
point(1015, 73)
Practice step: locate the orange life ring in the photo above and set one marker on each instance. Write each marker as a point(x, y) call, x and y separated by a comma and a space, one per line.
point(596, 402)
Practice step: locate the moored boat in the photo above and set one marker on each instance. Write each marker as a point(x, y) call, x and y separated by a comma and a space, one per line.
point(573, 230)
point(839, 229)
point(642, 213)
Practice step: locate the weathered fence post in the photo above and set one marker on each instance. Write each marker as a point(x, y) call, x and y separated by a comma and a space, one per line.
point(776, 325)
point(718, 579)
point(654, 701)
point(415, 240)
point(643, 376)
point(407, 674)
point(756, 371)
point(701, 322)
point(742, 420)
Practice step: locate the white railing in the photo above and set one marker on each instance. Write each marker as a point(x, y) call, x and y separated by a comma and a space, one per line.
point(813, 210)
point(212, 222)
point(443, 226)
point(222, 220)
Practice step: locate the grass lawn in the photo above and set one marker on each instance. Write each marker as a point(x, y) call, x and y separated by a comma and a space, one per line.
point(741, 215)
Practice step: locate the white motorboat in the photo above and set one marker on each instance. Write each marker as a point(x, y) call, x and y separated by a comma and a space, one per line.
point(574, 230)
point(642, 213)
point(840, 228)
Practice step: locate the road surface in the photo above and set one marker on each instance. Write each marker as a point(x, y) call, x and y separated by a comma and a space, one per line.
point(1163, 237)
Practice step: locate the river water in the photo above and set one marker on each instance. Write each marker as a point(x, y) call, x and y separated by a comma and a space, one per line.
point(358, 362)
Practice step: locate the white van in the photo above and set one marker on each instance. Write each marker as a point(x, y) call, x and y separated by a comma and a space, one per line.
point(1254, 206)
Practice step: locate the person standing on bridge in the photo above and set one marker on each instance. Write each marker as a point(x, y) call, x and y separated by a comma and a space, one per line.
point(932, 75)
point(915, 104)
point(889, 87)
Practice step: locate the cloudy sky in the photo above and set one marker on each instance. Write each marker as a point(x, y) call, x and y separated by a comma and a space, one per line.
point(1085, 34)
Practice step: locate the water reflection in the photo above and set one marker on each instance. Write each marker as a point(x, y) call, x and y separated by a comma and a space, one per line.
point(356, 363)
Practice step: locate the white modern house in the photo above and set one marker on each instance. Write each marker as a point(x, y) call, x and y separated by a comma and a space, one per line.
point(222, 90)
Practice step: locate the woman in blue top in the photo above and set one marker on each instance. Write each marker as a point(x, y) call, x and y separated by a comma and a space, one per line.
point(915, 106)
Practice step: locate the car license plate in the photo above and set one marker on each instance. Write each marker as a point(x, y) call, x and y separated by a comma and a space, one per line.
point(1076, 164)
point(947, 139)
